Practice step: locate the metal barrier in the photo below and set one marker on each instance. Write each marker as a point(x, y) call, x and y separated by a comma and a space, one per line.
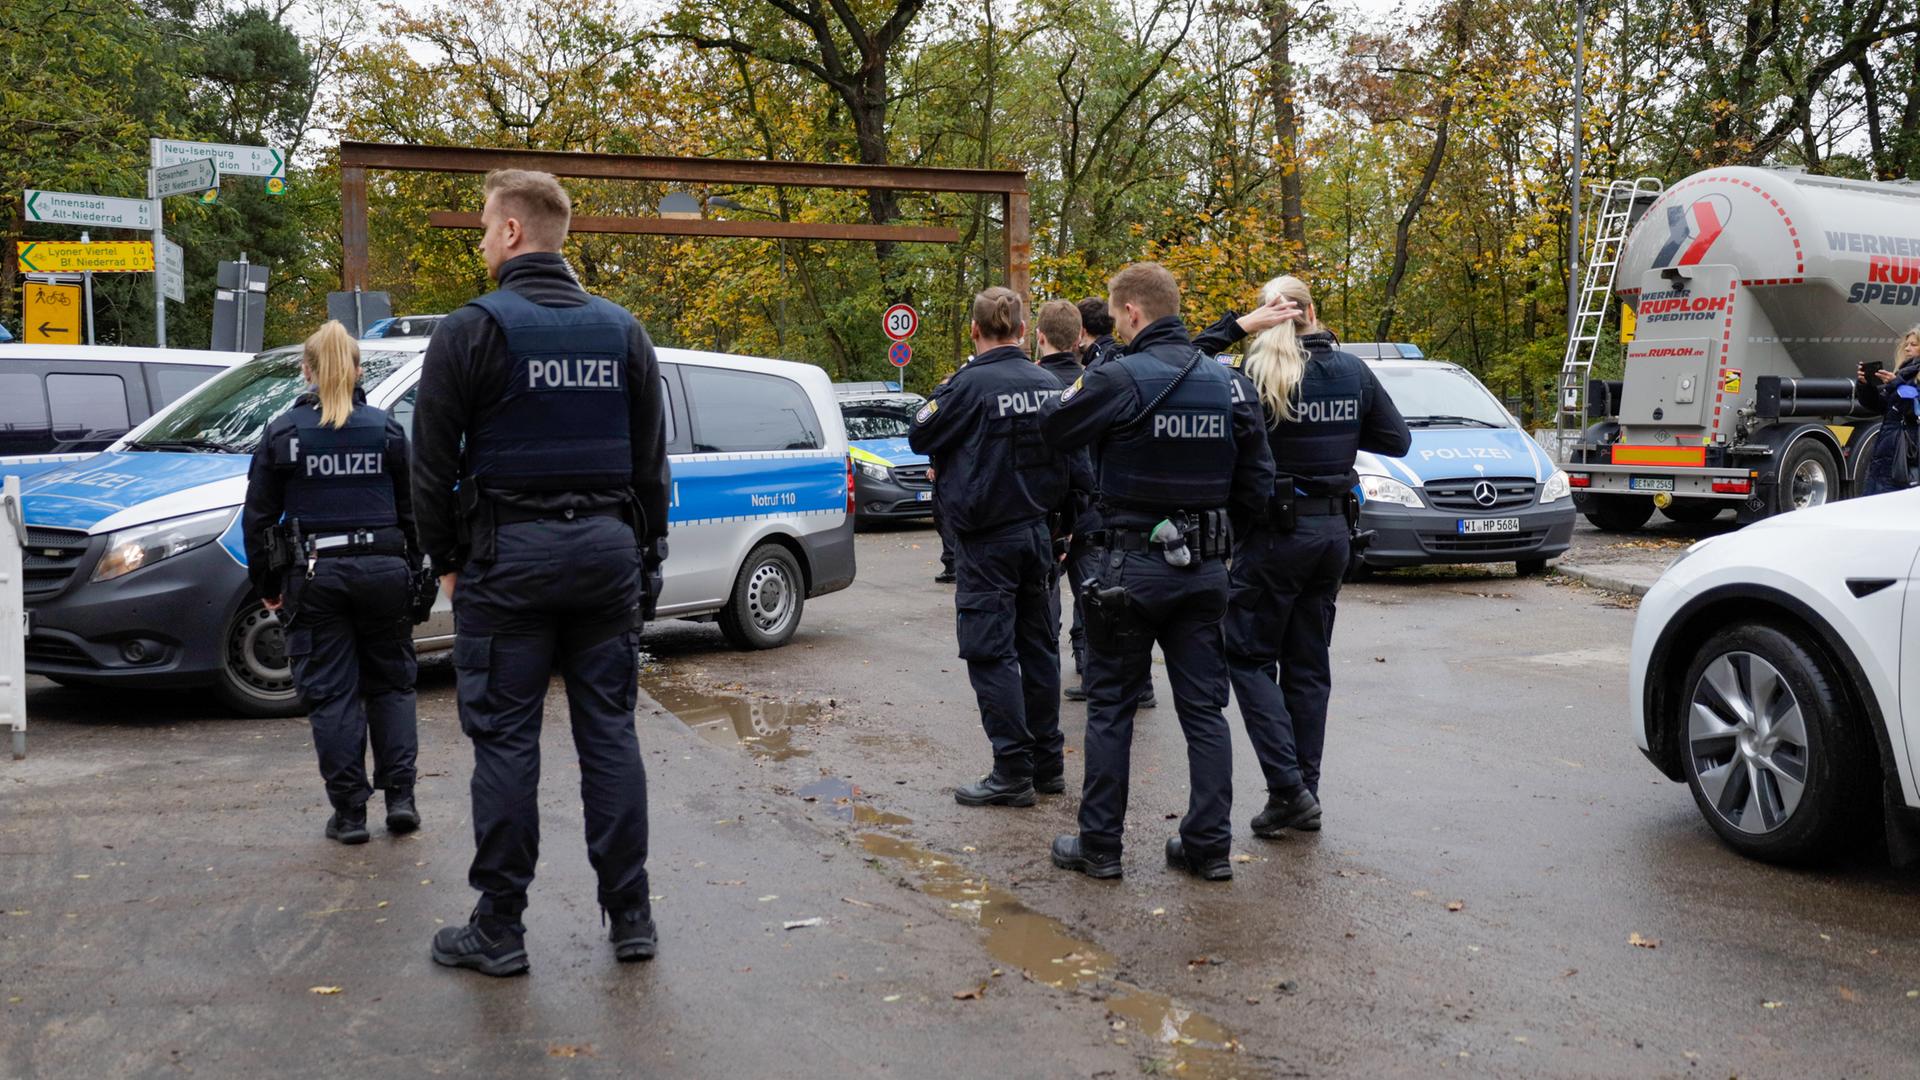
point(13, 618)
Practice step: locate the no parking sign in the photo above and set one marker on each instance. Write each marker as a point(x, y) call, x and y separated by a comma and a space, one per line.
point(899, 353)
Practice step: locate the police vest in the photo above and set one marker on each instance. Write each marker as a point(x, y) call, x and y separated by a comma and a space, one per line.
point(563, 423)
point(337, 477)
point(1317, 447)
point(1182, 456)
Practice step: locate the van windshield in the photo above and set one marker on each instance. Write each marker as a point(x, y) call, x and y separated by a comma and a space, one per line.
point(1441, 397)
point(878, 421)
point(227, 414)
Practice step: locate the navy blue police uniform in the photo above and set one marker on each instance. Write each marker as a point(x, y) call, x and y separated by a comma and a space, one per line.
point(1066, 369)
point(998, 482)
point(542, 476)
point(338, 498)
point(1287, 573)
point(1176, 439)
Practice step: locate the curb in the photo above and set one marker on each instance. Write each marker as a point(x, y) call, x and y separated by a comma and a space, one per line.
point(1601, 579)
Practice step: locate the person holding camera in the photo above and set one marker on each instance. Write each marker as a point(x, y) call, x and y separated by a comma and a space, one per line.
point(1322, 407)
point(329, 534)
point(1892, 466)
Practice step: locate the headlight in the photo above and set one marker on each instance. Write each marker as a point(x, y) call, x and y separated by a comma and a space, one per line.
point(1556, 487)
point(877, 472)
point(130, 549)
point(1387, 490)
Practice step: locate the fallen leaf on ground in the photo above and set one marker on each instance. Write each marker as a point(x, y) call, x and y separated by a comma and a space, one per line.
point(800, 924)
point(565, 1051)
point(1456, 905)
point(735, 881)
point(323, 990)
point(1847, 994)
point(855, 903)
point(1643, 942)
point(1158, 911)
point(770, 896)
point(974, 994)
point(1772, 1004)
point(1243, 858)
point(890, 998)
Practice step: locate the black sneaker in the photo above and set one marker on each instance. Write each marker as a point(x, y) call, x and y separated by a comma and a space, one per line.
point(1299, 810)
point(348, 826)
point(1069, 855)
point(633, 935)
point(494, 950)
point(1077, 692)
point(1206, 868)
point(402, 817)
point(1051, 784)
point(996, 789)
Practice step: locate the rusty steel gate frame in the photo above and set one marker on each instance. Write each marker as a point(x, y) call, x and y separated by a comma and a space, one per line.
point(356, 158)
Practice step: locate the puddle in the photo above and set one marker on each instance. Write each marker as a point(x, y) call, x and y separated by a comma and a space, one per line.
point(843, 800)
point(725, 719)
point(1193, 1044)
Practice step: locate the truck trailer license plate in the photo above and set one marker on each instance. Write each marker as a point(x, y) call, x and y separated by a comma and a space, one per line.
point(1650, 483)
point(1489, 525)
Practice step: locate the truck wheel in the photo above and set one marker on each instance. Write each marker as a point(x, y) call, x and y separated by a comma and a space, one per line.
point(1693, 511)
point(768, 595)
point(1808, 477)
point(1620, 513)
point(254, 678)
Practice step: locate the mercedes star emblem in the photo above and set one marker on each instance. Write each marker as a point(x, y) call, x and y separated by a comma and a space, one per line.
point(1485, 493)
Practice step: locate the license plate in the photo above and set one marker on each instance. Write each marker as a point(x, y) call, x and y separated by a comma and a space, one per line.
point(1650, 483)
point(1471, 526)
point(924, 496)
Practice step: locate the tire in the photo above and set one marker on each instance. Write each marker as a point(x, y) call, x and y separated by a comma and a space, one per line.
point(1619, 513)
point(1809, 476)
point(1739, 676)
point(254, 678)
point(1529, 567)
point(1694, 511)
point(768, 596)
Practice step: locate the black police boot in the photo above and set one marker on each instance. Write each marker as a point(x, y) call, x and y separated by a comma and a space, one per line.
point(1077, 692)
point(487, 945)
point(997, 788)
point(944, 577)
point(1291, 808)
point(633, 934)
point(1206, 867)
point(348, 824)
point(1147, 700)
point(1050, 780)
point(1069, 855)
point(401, 815)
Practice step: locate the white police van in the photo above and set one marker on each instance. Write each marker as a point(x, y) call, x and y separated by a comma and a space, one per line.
point(135, 569)
point(1474, 487)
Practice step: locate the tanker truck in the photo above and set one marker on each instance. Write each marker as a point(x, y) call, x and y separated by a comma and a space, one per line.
point(1756, 293)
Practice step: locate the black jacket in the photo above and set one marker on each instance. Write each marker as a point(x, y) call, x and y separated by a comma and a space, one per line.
point(1077, 512)
point(982, 430)
point(1099, 351)
point(1884, 399)
point(1355, 414)
point(462, 379)
point(267, 490)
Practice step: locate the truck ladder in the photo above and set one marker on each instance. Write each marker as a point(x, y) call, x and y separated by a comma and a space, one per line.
point(1609, 218)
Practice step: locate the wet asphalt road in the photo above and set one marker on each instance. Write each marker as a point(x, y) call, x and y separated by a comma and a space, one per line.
point(1493, 841)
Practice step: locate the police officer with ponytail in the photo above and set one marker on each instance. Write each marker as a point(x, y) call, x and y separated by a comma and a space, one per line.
point(1322, 406)
point(329, 534)
point(541, 473)
point(1179, 457)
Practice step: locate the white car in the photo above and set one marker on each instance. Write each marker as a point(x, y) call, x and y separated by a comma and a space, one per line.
point(1776, 671)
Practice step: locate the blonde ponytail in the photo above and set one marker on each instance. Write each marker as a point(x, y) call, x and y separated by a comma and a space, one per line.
point(332, 360)
point(1275, 361)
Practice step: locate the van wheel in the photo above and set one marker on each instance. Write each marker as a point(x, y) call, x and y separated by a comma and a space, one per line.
point(768, 595)
point(1529, 567)
point(1620, 513)
point(1808, 477)
point(254, 677)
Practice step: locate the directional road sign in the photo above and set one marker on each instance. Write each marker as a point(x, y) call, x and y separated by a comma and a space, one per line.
point(64, 257)
point(899, 354)
point(52, 315)
point(187, 178)
point(97, 211)
point(900, 322)
point(173, 271)
point(234, 160)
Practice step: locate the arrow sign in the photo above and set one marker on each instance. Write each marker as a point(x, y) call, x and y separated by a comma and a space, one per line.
point(62, 257)
point(96, 211)
point(229, 159)
point(187, 178)
point(52, 314)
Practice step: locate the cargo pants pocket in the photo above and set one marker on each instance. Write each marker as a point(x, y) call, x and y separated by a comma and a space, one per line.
point(473, 679)
point(983, 623)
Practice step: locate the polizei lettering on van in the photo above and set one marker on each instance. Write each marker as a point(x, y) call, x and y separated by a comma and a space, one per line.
point(344, 463)
point(1023, 403)
point(574, 373)
point(1332, 411)
point(1189, 426)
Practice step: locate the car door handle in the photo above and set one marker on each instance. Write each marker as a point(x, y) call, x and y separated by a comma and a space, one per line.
point(1862, 587)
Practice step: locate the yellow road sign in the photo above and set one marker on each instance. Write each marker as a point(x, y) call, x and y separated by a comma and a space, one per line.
point(52, 314)
point(66, 257)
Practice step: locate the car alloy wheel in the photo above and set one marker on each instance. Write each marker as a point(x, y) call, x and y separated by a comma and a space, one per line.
point(1748, 738)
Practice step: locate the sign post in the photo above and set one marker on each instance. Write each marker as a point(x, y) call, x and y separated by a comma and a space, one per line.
point(227, 159)
point(181, 167)
point(190, 177)
point(92, 211)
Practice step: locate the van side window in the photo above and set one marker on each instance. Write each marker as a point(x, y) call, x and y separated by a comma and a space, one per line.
point(666, 409)
point(171, 382)
point(402, 411)
point(735, 411)
point(23, 415)
point(89, 411)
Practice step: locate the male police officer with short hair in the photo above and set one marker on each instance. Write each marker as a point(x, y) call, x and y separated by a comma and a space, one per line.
point(541, 477)
point(1180, 448)
point(998, 481)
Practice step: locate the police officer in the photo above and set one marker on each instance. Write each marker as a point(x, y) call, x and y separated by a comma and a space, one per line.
point(542, 477)
point(1322, 406)
point(1096, 332)
point(1178, 452)
point(1057, 333)
point(330, 545)
point(998, 481)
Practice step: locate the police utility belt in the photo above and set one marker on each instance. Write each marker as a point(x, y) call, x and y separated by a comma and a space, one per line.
point(1205, 533)
point(287, 546)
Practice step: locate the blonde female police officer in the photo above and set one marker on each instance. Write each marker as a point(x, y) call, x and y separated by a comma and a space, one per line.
point(328, 494)
point(1322, 406)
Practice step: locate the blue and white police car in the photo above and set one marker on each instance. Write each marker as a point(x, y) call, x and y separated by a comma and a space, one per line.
point(890, 480)
point(135, 567)
point(1474, 487)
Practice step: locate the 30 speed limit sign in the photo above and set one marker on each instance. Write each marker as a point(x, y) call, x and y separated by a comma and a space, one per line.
point(900, 322)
